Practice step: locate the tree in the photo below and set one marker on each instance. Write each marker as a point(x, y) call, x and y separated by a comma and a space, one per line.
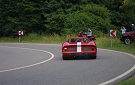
point(91, 15)
point(127, 11)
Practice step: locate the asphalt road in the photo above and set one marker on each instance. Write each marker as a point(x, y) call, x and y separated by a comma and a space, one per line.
point(36, 65)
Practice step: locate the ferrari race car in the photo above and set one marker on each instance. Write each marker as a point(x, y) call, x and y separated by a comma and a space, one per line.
point(79, 47)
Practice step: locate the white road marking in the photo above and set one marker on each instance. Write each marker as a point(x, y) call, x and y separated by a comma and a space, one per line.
point(122, 75)
point(79, 49)
point(52, 56)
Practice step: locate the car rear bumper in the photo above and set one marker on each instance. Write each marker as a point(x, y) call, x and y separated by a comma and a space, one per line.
point(79, 54)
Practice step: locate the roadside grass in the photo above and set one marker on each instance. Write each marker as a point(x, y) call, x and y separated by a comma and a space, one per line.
point(128, 82)
point(35, 38)
point(102, 42)
point(105, 43)
point(8, 40)
point(54, 38)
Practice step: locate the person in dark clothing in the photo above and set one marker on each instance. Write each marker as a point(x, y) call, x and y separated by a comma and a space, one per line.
point(133, 27)
point(81, 33)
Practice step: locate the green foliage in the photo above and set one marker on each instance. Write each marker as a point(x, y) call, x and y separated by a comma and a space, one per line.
point(64, 16)
point(88, 16)
point(20, 15)
point(127, 11)
point(55, 23)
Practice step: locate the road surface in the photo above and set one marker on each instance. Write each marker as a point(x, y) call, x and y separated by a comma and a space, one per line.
point(42, 64)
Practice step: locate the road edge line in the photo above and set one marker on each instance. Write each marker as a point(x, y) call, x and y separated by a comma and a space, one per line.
point(123, 76)
point(22, 67)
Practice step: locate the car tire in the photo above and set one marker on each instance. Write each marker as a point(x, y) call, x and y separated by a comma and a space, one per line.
point(93, 57)
point(64, 58)
point(127, 40)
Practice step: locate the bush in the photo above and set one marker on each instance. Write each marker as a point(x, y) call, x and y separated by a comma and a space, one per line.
point(89, 16)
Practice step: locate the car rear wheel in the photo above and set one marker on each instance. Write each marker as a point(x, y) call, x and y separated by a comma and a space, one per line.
point(93, 57)
point(127, 40)
point(67, 58)
point(64, 58)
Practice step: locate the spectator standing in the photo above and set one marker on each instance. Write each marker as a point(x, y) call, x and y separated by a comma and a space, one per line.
point(133, 27)
point(89, 33)
point(123, 29)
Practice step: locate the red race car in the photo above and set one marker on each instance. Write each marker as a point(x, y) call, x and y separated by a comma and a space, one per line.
point(79, 47)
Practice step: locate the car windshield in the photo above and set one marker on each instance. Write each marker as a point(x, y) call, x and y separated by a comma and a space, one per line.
point(74, 40)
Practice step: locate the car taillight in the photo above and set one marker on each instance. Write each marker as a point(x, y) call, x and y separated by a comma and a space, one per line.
point(65, 49)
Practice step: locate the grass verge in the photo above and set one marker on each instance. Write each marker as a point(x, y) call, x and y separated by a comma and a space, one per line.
point(105, 42)
point(102, 42)
point(128, 82)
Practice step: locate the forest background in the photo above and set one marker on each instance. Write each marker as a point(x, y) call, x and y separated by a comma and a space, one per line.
point(65, 17)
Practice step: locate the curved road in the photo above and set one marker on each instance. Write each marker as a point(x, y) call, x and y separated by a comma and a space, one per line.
point(34, 64)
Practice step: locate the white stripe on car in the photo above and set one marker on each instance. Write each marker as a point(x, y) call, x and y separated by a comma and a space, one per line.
point(79, 47)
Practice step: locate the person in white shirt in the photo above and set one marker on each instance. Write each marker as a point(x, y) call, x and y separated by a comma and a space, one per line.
point(89, 33)
point(123, 29)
